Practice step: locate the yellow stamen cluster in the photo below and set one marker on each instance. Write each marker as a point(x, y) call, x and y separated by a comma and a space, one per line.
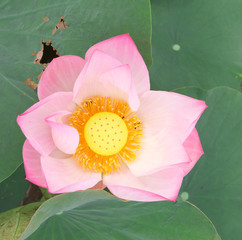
point(109, 134)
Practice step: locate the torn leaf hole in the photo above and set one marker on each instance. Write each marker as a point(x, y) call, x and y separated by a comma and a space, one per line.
point(61, 25)
point(46, 54)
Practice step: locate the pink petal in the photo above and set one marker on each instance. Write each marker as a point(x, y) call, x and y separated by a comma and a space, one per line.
point(167, 110)
point(159, 150)
point(123, 48)
point(32, 165)
point(79, 185)
point(65, 137)
point(57, 153)
point(118, 84)
point(33, 125)
point(194, 149)
point(60, 75)
point(163, 185)
point(65, 175)
point(87, 84)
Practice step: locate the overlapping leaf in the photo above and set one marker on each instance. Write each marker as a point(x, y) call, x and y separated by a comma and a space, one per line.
point(215, 184)
point(99, 215)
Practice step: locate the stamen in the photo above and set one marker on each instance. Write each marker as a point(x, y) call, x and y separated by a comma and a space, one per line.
point(109, 134)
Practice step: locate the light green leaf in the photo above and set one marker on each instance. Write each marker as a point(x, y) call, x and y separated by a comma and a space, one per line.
point(22, 29)
point(196, 43)
point(99, 215)
point(14, 222)
point(215, 184)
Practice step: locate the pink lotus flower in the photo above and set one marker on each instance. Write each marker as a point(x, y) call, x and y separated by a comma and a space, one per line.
point(98, 124)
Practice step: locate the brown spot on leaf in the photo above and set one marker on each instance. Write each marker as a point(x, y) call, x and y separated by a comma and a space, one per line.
point(39, 76)
point(46, 54)
point(33, 194)
point(31, 83)
point(61, 25)
point(46, 19)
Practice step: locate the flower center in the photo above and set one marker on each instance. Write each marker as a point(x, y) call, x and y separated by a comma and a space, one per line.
point(106, 133)
point(109, 134)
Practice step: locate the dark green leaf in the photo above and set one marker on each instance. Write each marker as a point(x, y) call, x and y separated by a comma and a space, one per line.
point(196, 43)
point(13, 190)
point(99, 215)
point(215, 184)
point(14, 99)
